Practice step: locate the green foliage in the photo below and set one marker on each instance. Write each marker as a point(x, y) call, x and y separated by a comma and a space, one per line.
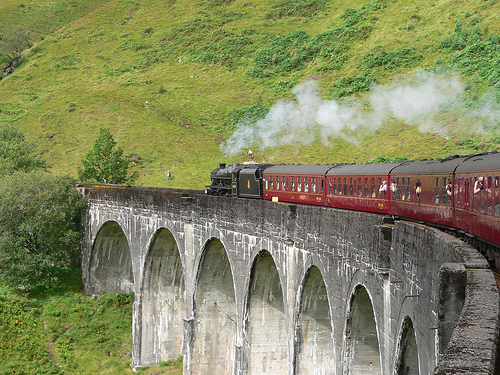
point(354, 16)
point(18, 154)
point(66, 62)
point(86, 335)
point(14, 41)
point(476, 55)
point(297, 8)
point(407, 57)
point(249, 114)
point(105, 163)
point(285, 54)
point(23, 344)
point(385, 159)
point(206, 40)
point(350, 85)
point(291, 52)
point(172, 363)
point(39, 227)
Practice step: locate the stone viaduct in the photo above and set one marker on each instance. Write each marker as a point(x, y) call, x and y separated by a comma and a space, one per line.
point(240, 286)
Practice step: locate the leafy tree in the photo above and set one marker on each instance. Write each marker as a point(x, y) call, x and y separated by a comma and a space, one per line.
point(14, 42)
point(105, 163)
point(39, 227)
point(17, 154)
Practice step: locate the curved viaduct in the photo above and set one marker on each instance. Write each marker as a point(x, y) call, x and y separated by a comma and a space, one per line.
point(241, 286)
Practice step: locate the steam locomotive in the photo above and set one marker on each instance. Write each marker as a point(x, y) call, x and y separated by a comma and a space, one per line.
point(460, 193)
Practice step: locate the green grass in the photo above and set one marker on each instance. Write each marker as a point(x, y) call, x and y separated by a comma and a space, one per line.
point(86, 335)
point(172, 78)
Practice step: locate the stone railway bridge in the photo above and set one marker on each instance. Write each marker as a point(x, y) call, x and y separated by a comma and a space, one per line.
point(239, 286)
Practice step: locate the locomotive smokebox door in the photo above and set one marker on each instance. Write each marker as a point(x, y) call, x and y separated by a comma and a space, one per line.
point(249, 183)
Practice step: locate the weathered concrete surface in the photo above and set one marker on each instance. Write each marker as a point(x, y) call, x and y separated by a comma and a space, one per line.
point(253, 287)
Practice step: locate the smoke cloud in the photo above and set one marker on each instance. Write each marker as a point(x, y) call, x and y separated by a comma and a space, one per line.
point(418, 101)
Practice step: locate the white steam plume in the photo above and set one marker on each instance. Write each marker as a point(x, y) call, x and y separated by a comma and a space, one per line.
point(417, 102)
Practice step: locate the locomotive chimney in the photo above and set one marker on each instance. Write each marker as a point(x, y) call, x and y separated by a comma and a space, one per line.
point(222, 165)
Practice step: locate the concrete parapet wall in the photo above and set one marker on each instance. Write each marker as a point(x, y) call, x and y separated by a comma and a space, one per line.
point(240, 286)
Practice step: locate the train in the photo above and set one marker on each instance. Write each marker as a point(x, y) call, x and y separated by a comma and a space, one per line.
point(458, 193)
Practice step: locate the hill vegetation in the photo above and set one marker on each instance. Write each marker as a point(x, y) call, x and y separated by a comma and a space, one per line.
point(59, 330)
point(173, 79)
point(184, 85)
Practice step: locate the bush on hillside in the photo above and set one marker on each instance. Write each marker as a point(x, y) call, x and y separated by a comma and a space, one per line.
point(39, 227)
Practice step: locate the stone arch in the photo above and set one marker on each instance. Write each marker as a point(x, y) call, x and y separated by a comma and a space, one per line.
point(362, 349)
point(110, 265)
point(265, 319)
point(215, 313)
point(163, 300)
point(315, 347)
point(407, 352)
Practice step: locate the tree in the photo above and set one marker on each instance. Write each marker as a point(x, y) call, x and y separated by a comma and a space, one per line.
point(14, 42)
point(39, 227)
point(17, 154)
point(105, 163)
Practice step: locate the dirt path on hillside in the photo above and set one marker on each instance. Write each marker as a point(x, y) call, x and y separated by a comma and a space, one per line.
point(51, 343)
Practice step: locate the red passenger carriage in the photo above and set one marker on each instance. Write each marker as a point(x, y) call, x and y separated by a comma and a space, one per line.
point(477, 204)
point(296, 183)
point(360, 187)
point(424, 190)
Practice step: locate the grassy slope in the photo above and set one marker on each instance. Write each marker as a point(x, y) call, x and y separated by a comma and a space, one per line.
point(83, 335)
point(80, 78)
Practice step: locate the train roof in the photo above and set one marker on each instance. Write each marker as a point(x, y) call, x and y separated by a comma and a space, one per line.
point(481, 162)
point(299, 169)
point(363, 169)
point(447, 165)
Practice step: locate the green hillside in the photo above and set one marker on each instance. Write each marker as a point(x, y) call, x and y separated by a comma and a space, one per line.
point(338, 81)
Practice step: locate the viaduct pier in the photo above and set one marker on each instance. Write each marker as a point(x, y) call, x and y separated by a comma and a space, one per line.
point(240, 286)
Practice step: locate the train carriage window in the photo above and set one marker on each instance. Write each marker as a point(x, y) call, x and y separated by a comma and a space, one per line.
point(444, 191)
point(267, 183)
point(489, 195)
point(283, 183)
point(372, 188)
point(366, 188)
point(313, 184)
point(322, 189)
point(351, 188)
point(345, 186)
point(382, 190)
point(476, 196)
point(496, 197)
point(360, 187)
point(306, 185)
point(292, 183)
point(436, 191)
point(408, 189)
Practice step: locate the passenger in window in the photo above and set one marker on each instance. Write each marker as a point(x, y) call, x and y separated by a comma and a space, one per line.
point(313, 188)
point(393, 186)
point(299, 186)
point(383, 189)
point(418, 188)
point(448, 188)
point(306, 187)
point(479, 186)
